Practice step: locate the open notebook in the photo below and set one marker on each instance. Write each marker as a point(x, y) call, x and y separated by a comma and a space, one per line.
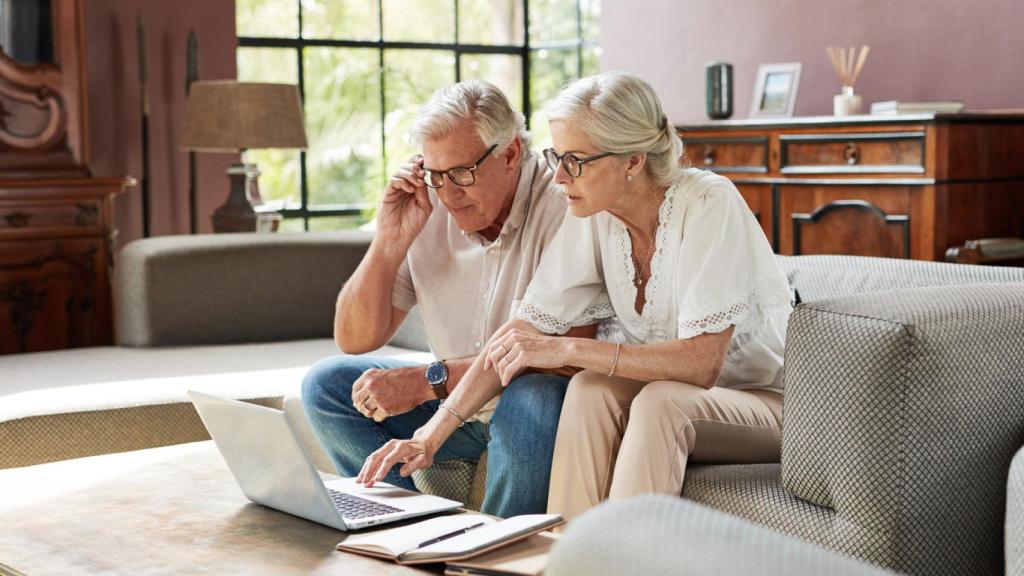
point(528, 557)
point(447, 538)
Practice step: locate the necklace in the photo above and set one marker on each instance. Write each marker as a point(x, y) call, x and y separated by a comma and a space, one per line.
point(638, 271)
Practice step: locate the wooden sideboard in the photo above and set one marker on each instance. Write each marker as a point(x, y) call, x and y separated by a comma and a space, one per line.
point(56, 256)
point(895, 186)
point(56, 220)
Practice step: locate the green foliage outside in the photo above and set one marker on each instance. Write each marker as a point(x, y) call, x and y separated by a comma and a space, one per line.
point(349, 134)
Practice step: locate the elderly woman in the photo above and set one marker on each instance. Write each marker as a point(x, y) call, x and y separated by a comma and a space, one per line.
point(694, 309)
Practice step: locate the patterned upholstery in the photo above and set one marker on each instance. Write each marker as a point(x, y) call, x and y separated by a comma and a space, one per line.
point(1015, 517)
point(755, 492)
point(662, 535)
point(461, 480)
point(902, 412)
point(819, 277)
point(43, 438)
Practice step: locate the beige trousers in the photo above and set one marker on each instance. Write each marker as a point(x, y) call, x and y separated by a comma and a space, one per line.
point(618, 438)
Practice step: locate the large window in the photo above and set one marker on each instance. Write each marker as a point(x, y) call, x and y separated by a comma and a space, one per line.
point(363, 67)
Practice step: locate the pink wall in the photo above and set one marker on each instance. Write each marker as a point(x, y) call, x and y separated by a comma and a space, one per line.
point(920, 49)
point(114, 123)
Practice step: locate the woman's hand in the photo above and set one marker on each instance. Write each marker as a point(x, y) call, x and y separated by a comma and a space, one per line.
point(515, 350)
point(414, 454)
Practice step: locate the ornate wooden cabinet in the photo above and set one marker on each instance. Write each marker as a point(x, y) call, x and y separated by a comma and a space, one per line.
point(894, 186)
point(56, 229)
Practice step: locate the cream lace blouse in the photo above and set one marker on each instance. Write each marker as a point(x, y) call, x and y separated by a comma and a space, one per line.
point(712, 268)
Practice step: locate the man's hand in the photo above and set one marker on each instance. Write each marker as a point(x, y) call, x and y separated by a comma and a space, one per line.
point(405, 205)
point(380, 394)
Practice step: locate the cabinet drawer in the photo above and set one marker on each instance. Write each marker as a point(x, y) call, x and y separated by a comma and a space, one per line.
point(728, 154)
point(54, 294)
point(855, 220)
point(882, 152)
point(82, 215)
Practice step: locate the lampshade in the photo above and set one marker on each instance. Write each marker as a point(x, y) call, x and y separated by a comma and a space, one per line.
point(229, 116)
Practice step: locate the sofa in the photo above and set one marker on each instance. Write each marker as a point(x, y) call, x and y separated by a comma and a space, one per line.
point(240, 315)
point(658, 535)
point(904, 387)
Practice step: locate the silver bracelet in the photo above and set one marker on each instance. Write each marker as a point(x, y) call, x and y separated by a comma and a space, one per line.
point(462, 421)
point(615, 361)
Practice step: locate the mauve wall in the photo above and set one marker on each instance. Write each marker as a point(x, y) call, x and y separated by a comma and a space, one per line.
point(115, 133)
point(920, 49)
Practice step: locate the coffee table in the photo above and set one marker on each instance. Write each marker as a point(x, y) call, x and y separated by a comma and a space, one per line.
point(165, 510)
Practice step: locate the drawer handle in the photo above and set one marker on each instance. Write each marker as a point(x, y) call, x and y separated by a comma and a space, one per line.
point(851, 153)
point(17, 219)
point(709, 154)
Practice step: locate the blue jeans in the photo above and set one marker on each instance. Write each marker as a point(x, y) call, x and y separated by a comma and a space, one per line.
point(519, 441)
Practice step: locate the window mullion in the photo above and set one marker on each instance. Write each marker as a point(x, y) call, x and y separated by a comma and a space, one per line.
point(383, 100)
point(527, 104)
point(523, 49)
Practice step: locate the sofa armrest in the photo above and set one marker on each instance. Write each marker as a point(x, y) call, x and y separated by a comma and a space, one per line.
point(1015, 516)
point(663, 535)
point(232, 288)
point(902, 412)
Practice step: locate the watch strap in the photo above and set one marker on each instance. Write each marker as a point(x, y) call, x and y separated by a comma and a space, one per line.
point(441, 390)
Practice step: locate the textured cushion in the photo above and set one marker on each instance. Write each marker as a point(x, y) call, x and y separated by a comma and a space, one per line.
point(818, 277)
point(755, 492)
point(83, 402)
point(462, 480)
point(229, 288)
point(902, 412)
point(1015, 516)
point(662, 535)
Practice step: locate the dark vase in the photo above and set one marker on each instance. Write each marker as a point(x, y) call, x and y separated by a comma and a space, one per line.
point(718, 77)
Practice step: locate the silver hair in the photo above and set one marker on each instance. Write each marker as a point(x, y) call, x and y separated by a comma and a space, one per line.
point(621, 113)
point(482, 102)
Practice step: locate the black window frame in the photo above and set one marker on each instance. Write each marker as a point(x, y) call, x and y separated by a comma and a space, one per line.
point(299, 43)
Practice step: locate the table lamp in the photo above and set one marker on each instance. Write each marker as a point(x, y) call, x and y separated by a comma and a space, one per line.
point(232, 117)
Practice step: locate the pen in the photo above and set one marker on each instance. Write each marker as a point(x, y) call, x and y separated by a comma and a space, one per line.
point(449, 535)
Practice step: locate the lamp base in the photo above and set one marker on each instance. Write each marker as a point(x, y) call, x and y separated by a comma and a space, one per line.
point(237, 214)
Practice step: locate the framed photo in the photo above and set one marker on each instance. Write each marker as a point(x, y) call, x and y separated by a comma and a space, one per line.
point(775, 90)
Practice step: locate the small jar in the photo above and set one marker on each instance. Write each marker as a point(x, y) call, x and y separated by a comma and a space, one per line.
point(846, 103)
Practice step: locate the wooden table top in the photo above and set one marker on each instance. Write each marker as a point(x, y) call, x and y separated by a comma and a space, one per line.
point(161, 511)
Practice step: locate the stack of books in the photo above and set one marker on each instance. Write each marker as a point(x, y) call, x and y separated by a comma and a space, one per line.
point(903, 107)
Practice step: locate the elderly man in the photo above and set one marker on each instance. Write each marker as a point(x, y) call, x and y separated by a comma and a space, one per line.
point(465, 256)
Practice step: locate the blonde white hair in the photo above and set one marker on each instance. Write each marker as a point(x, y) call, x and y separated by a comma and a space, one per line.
point(620, 113)
point(481, 102)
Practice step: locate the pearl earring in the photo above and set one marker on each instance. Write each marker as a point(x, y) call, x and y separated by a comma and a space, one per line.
point(629, 177)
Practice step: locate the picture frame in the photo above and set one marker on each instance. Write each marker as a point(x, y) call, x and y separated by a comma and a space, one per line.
point(775, 90)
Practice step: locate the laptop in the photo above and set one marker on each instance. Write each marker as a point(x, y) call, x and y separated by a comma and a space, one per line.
point(262, 448)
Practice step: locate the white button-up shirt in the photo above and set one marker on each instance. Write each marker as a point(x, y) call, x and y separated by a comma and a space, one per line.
point(466, 286)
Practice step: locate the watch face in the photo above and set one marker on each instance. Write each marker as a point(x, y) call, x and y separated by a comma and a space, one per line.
point(437, 373)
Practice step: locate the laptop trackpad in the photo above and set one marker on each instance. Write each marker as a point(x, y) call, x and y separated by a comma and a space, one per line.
point(387, 493)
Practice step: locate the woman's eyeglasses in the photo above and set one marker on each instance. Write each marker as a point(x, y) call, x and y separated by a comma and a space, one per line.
point(573, 164)
point(459, 176)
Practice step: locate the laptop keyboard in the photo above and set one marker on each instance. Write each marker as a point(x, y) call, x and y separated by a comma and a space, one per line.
point(355, 507)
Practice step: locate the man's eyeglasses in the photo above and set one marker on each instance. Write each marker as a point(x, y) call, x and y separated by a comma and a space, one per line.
point(573, 164)
point(459, 176)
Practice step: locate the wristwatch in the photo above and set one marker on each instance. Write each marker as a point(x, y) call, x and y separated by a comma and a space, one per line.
point(437, 377)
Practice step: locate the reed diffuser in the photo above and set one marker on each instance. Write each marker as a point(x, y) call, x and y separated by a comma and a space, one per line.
point(847, 64)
